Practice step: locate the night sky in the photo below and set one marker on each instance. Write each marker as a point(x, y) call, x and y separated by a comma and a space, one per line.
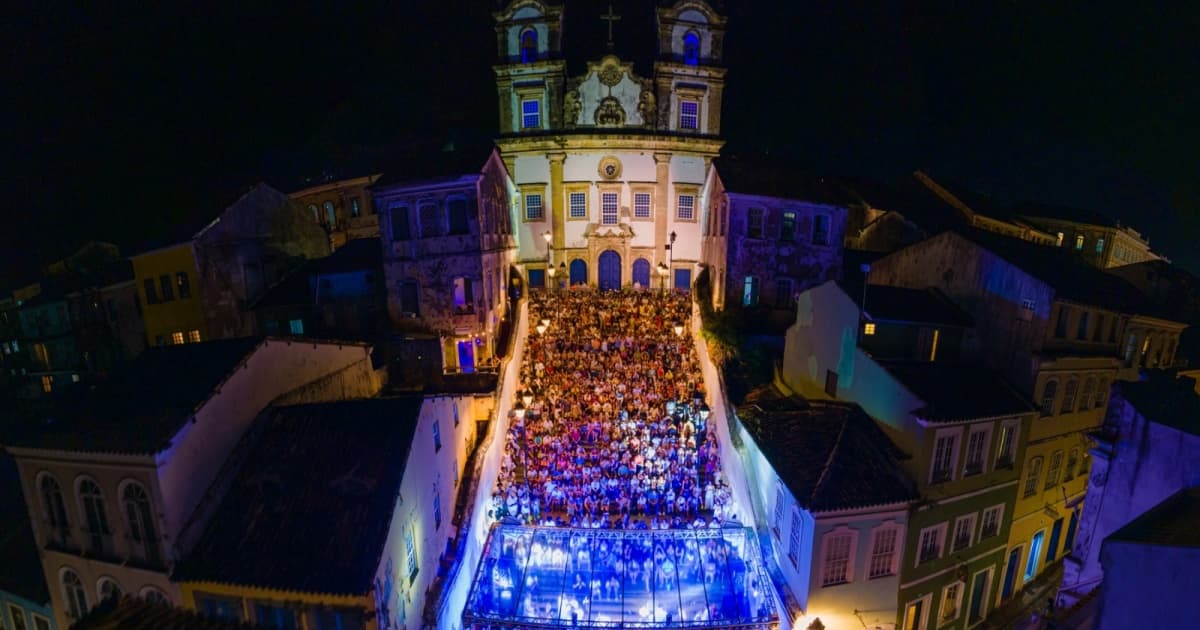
point(122, 122)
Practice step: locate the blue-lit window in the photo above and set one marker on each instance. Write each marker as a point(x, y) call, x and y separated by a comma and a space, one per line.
point(577, 202)
point(691, 49)
point(410, 554)
point(685, 210)
point(1079, 241)
point(1035, 555)
point(296, 326)
point(689, 115)
point(820, 233)
point(355, 207)
point(437, 507)
point(609, 205)
point(529, 46)
point(750, 291)
point(400, 226)
point(437, 435)
point(1099, 246)
point(641, 205)
point(531, 114)
point(787, 227)
point(330, 214)
point(533, 207)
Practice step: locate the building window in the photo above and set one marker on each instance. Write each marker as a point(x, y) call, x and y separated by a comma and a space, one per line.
point(315, 211)
point(1049, 390)
point(1085, 400)
point(750, 291)
point(1068, 401)
point(930, 546)
point(218, 607)
point(165, 286)
point(1053, 470)
point(464, 295)
point(1031, 481)
point(991, 522)
point(40, 622)
point(689, 115)
point(95, 516)
point(177, 337)
point(1006, 444)
point(355, 207)
point(400, 227)
point(108, 588)
point(1079, 242)
point(1099, 246)
point(869, 328)
point(641, 205)
point(883, 552)
point(1060, 326)
point(296, 326)
point(685, 210)
point(831, 383)
point(183, 285)
point(330, 215)
point(194, 336)
point(1058, 241)
point(943, 458)
point(783, 293)
point(964, 531)
point(1035, 555)
point(787, 227)
point(531, 114)
point(836, 567)
point(777, 522)
point(1098, 332)
point(437, 507)
point(430, 220)
point(1084, 463)
point(820, 233)
point(456, 211)
point(951, 603)
point(55, 509)
point(754, 223)
point(691, 49)
point(609, 208)
point(74, 594)
point(976, 447)
point(437, 435)
point(47, 383)
point(577, 204)
point(529, 45)
point(1027, 307)
point(794, 540)
point(140, 520)
point(151, 291)
point(408, 298)
point(533, 207)
point(1081, 331)
point(410, 554)
point(1072, 461)
point(18, 617)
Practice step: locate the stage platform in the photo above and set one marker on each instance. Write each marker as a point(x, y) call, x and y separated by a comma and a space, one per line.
point(552, 577)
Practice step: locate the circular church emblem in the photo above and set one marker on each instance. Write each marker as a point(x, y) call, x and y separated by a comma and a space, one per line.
point(610, 168)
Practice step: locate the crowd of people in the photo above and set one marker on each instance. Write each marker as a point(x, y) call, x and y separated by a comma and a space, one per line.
point(610, 429)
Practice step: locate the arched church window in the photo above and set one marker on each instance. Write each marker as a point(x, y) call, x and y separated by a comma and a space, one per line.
point(529, 46)
point(691, 49)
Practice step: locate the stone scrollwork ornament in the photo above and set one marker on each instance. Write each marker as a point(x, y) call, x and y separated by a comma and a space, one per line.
point(647, 108)
point(610, 74)
point(571, 108)
point(610, 168)
point(610, 113)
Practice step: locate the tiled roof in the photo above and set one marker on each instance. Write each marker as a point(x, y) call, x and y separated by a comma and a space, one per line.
point(441, 159)
point(311, 507)
point(145, 404)
point(22, 566)
point(363, 254)
point(908, 197)
point(750, 174)
point(899, 304)
point(956, 391)
point(1165, 400)
point(832, 456)
point(135, 613)
point(1172, 523)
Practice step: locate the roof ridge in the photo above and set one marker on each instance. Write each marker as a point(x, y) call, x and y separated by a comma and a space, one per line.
point(829, 459)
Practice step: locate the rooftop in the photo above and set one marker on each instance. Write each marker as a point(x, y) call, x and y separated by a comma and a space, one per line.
point(1165, 400)
point(435, 160)
point(135, 613)
point(1065, 213)
point(899, 304)
point(1171, 523)
point(831, 455)
point(311, 507)
point(750, 174)
point(144, 405)
point(362, 254)
point(955, 391)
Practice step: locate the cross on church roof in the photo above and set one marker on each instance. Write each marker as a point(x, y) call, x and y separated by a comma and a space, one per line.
point(610, 17)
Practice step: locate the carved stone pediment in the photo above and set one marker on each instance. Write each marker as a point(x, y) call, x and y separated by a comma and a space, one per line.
point(609, 94)
point(620, 230)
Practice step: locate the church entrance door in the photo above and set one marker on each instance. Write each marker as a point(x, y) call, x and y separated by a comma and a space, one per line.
point(578, 272)
point(610, 271)
point(641, 273)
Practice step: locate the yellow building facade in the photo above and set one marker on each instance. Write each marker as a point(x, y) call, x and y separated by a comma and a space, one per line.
point(168, 288)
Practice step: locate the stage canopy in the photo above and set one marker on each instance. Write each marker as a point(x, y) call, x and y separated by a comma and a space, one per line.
point(551, 577)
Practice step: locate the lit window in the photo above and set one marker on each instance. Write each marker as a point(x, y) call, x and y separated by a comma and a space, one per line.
point(355, 207)
point(533, 207)
point(177, 337)
point(74, 378)
point(330, 215)
point(609, 205)
point(750, 291)
point(296, 326)
point(577, 202)
point(787, 227)
point(194, 336)
point(464, 295)
point(869, 328)
point(1079, 242)
point(410, 554)
point(689, 115)
point(691, 49)
point(951, 602)
point(529, 46)
point(836, 568)
point(794, 539)
point(1099, 246)
point(531, 114)
point(641, 205)
point(47, 384)
point(1058, 241)
point(686, 208)
point(1035, 555)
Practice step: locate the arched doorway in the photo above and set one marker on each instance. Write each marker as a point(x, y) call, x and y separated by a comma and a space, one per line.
point(610, 270)
point(578, 271)
point(641, 273)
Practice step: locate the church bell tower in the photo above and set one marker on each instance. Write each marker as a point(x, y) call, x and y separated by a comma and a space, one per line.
point(529, 76)
point(688, 74)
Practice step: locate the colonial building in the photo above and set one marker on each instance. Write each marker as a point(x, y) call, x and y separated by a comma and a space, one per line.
point(1052, 325)
point(828, 485)
point(609, 166)
point(900, 357)
point(343, 208)
point(118, 488)
point(769, 233)
point(169, 294)
point(107, 318)
point(1148, 449)
point(1101, 241)
point(448, 252)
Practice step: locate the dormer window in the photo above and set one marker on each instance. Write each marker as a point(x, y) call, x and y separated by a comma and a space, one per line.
point(529, 46)
point(691, 49)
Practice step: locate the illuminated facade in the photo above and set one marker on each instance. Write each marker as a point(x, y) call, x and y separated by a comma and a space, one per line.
point(169, 290)
point(1094, 237)
point(609, 164)
point(343, 208)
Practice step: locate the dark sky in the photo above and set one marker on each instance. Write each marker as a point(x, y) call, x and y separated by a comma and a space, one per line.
point(123, 120)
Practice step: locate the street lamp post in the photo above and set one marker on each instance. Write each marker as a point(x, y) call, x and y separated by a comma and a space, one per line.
point(662, 278)
point(671, 251)
point(549, 268)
